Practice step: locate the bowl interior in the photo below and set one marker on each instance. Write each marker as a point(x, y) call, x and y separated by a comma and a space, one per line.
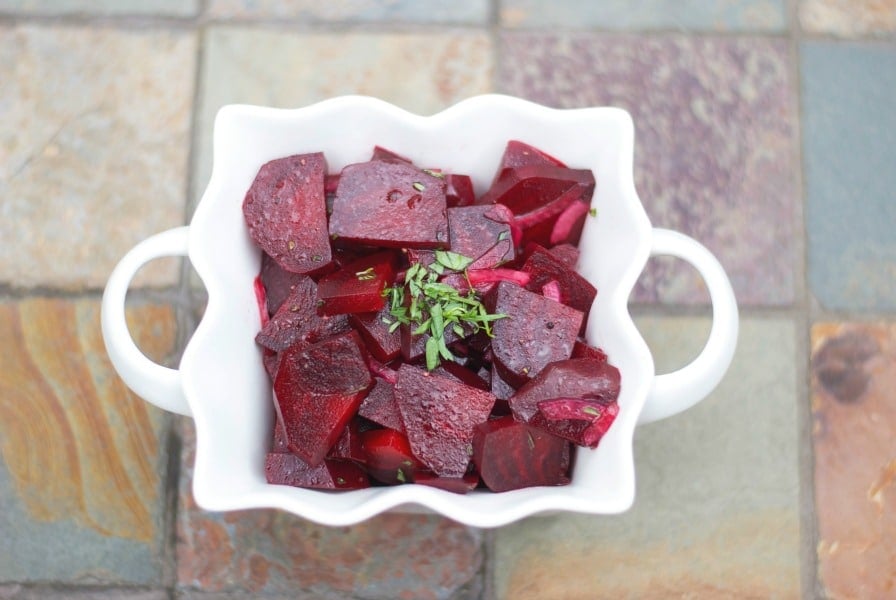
point(225, 382)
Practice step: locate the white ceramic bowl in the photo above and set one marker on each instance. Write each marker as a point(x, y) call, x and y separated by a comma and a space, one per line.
point(221, 381)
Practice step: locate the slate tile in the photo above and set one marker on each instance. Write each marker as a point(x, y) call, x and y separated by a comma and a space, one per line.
point(165, 8)
point(848, 18)
point(394, 11)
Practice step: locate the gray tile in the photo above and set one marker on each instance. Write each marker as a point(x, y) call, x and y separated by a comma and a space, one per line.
point(420, 72)
point(849, 18)
point(731, 15)
point(849, 133)
point(19, 592)
point(177, 8)
point(394, 11)
point(717, 508)
point(715, 141)
point(94, 142)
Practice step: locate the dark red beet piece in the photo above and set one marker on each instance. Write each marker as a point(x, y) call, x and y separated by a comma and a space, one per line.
point(457, 485)
point(382, 345)
point(424, 257)
point(566, 253)
point(380, 407)
point(390, 204)
point(583, 422)
point(348, 446)
point(500, 388)
point(280, 443)
point(459, 190)
point(520, 154)
point(575, 378)
point(583, 350)
point(297, 320)
point(460, 373)
point(482, 233)
point(286, 212)
point(568, 227)
point(261, 299)
point(288, 469)
point(575, 290)
point(533, 187)
point(386, 155)
point(439, 415)
point(536, 332)
point(510, 455)
point(271, 362)
point(318, 389)
point(358, 286)
point(278, 282)
point(389, 456)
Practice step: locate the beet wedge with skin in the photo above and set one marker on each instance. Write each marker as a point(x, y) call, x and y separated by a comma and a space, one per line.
point(384, 345)
point(439, 415)
point(380, 407)
point(482, 233)
point(586, 378)
point(510, 455)
point(536, 332)
point(278, 282)
point(286, 213)
point(388, 456)
point(298, 322)
point(581, 421)
point(288, 469)
point(318, 389)
point(390, 204)
point(575, 291)
point(358, 286)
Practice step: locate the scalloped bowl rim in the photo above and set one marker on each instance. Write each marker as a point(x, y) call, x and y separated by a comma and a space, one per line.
point(233, 413)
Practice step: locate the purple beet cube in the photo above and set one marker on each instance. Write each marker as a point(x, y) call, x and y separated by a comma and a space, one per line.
point(483, 234)
point(585, 378)
point(581, 421)
point(567, 254)
point(348, 445)
point(390, 204)
point(374, 329)
point(380, 407)
point(297, 320)
point(288, 469)
point(286, 212)
point(575, 290)
point(532, 187)
point(278, 282)
point(459, 190)
point(456, 485)
point(358, 286)
point(386, 155)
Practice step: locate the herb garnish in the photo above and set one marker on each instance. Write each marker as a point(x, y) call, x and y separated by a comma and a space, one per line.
point(366, 275)
point(433, 307)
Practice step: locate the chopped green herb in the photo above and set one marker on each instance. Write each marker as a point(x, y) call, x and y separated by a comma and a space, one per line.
point(366, 275)
point(503, 236)
point(418, 186)
point(432, 173)
point(317, 258)
point(452, 260)
point(530, 440)
point(592, 212)
point(340, 481)
point(400, 476)
point(590, 410)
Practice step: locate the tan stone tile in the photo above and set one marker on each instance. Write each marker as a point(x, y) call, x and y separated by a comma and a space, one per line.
point(854, 430)
point(420, 11)
point(848, 18)
point(716, 513)
point(177, 8)
point(421, 72)
point(82, 466)
point(93, 149)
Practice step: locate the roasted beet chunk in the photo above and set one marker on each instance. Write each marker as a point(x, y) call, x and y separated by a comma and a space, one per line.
point(297, 320)
point(374, 328)
point(482, 233)
point(380, 407)
point(520, 154)
point(439, 415)
point(288, 469)
point(358, 286)
point(278, 282)
point(529, 188)
point(390, 204)
point(456, 485)
point(578, 420)
point(510, 455)
point(386, 155)
point(318, 389)
point(575, 378)
point(536, 332)
point(459, 191)
point(583, 350)
point(575, 290)
point(286, 212)
point(389, 457)
point(348, 446)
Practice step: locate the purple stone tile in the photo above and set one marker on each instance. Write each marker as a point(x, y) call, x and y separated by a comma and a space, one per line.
point(714, 146)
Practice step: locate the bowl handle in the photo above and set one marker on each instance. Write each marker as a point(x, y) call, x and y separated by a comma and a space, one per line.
point(679, 390)
point(152, 382)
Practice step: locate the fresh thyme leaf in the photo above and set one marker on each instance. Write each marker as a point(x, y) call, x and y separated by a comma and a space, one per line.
point(590, 410)
point(432, 353)
point(452, 260)
point(592, 212)
point(432, 173)
point(418, 186)
point(394, 326)
point(366, 275)
point(437, 268)
point(400, 476)
point(423, 327)
point(503, 236)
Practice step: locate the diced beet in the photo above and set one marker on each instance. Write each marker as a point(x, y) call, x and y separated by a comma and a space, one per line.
point(457, 485)
point(510, 455)
point(280, 443)
point(331, 182)
point(568, 226)
point(460, 373)
point(418, 255)
point(297, 320)
point(583, 350)
point(552, 290)
point(389, 456)
point(575, 378)
point(533, 187)
point(575, 290)
point(482, 233)
point(520, 154)
point(459, 190)
point(536, 332)
point(390, 204)
point(439, 415)
point(378, 369)
point(500, 388)
point(380, 407)
point(583, 422)
point(566, 253)
point(348, 445)
point(413, 347)
point(286, 212)
point(278, 282)
point(374, 329)
point(386, 155)
point(318, 389)
point(271, 361)
point(289, 469)
point(358, 286)
point(261, 299)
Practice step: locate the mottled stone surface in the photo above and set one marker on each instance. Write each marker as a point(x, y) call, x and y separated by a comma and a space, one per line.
point(728, 15)
point(93, 149)
point(853, 377)
point(273, 552)
point(83, 461)
point(19, 592)
point(848, 17)
point(849, 137)
point(396, 11)
point(717, 509)
point(714, 143)
point(176, 8)
point(422, 73)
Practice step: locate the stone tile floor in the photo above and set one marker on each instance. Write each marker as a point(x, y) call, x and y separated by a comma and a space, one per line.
point(765, 128)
